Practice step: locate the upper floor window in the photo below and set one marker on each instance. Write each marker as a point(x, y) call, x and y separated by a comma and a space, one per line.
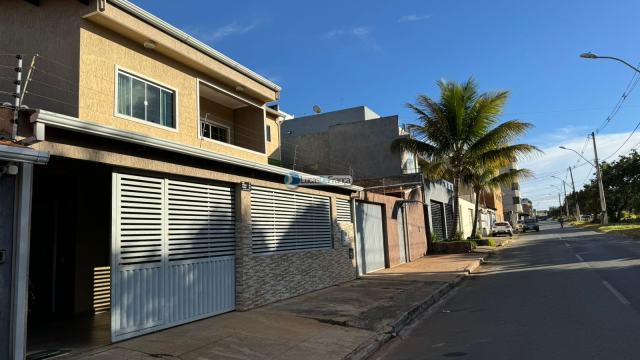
point(142, 100)
point(215, 131)
point(515, 186)
point(268, 133)
point(516, 200)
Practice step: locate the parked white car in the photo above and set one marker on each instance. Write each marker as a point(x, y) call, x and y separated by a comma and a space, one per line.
point(502, 228)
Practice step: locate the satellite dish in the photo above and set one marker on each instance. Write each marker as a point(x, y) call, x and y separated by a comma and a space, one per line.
point(317, 109)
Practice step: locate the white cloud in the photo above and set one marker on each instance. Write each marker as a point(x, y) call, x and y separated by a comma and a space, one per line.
point(227, 30)
point(556, 162)
point(360, 32)
point(413, 17)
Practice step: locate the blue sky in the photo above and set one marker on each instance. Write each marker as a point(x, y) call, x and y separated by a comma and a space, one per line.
point(341, 54)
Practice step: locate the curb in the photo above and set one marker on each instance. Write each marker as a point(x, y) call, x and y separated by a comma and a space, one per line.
point(374, 343)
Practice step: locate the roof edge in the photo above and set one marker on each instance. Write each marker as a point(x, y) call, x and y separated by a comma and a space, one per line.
point(188, 39)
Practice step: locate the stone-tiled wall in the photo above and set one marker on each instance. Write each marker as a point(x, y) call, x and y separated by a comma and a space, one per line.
point(264, 279)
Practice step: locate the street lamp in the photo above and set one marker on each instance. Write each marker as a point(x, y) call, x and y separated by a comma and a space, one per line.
point(603, 204)
point(594, 56)
point(566, 202)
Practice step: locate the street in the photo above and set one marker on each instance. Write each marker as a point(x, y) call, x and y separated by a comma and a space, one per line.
point(557, 294)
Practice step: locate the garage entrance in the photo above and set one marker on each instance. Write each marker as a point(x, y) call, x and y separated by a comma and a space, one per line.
point(68, 296)
point(369, 237)
point(174, 253)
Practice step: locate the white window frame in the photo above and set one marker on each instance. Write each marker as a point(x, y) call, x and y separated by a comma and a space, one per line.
point(248, 102)
point(148, 80)
point(215, 123)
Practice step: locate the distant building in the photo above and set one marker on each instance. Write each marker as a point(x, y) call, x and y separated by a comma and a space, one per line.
point(512, 199)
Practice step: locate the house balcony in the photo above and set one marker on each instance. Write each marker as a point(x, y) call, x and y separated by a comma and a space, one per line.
point(228, 119)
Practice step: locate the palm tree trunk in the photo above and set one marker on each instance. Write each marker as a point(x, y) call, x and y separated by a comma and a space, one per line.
point(456, 193)
point(475, 216)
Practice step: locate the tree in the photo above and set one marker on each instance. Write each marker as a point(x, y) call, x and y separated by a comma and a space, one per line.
point(488, 179)
point(461, 130)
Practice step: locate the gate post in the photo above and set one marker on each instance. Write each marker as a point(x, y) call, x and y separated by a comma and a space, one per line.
point(243, 243)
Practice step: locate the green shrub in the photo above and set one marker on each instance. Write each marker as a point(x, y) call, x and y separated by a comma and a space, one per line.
point(435, 237)
point(485, 242)
point(459, 236)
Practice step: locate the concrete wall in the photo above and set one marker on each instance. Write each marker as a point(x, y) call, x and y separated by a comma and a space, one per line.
point(416, 227)
point(308, 150)
point(249, 128)
point(312, 124)
point(363, 147)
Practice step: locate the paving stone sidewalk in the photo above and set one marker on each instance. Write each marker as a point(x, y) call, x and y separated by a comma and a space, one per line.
point(349, 320)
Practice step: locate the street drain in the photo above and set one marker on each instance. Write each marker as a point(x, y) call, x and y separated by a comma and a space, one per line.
point(47, 354)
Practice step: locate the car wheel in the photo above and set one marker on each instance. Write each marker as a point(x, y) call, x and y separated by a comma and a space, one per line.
point(537, 230)
point(524, 230)
point(511, 234)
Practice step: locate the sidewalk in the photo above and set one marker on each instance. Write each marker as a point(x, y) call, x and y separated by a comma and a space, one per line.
point(347, 321)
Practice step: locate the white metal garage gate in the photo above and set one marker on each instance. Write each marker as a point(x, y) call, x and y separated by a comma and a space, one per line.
point(173, 253)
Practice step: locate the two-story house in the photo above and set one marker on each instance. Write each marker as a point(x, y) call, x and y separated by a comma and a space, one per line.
point(158, 205)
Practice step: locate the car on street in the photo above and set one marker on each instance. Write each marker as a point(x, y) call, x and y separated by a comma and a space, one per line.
point(519, 225)
point(501, 228)
point(531, 224)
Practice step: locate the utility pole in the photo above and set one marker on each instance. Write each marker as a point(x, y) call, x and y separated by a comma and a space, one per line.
point(16, 113)
point(560, 204)
point(573, 185)
point(566, 201)
point(603, 205)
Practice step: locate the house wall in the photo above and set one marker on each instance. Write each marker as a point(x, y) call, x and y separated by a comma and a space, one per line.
point(466, 217)
point(415, 228)
point(218, 113)
point(249, 128)
point(259, 279)
point(103, 49)
point(309, 149)
point(366, 145)
point(27, 29)
point(313, 124)
point(273, 146)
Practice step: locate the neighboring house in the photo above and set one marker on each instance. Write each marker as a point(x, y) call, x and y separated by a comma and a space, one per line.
point(158, 206)
point(511, 200)
point(527, 208)
point(353, 141)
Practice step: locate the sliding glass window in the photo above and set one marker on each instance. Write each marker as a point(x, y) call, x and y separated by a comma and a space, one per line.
point(145, 101)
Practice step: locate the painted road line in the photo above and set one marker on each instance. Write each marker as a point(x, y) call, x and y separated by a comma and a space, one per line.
point(579, 257)
point(567, 245)
point(616, 293)
point(559, 237)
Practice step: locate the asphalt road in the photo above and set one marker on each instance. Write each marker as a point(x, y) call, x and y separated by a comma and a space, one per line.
point(557, 294)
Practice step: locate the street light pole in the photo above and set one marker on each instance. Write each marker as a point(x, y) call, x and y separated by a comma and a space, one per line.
point(603, 204)
point(573, 185)
point(566, 201)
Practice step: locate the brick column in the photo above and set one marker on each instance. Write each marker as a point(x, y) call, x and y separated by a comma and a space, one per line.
point(243, 243)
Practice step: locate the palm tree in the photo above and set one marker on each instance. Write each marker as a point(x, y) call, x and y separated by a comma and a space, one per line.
point(487, 179)
point(461, 129)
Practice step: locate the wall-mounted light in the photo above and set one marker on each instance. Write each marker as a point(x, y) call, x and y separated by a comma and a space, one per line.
point(289, 132)
point(239, 88)
point(150, 44)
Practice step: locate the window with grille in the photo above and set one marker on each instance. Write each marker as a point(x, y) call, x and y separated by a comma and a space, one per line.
point(343, 208)
point(288, 221)
point(142, 100)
